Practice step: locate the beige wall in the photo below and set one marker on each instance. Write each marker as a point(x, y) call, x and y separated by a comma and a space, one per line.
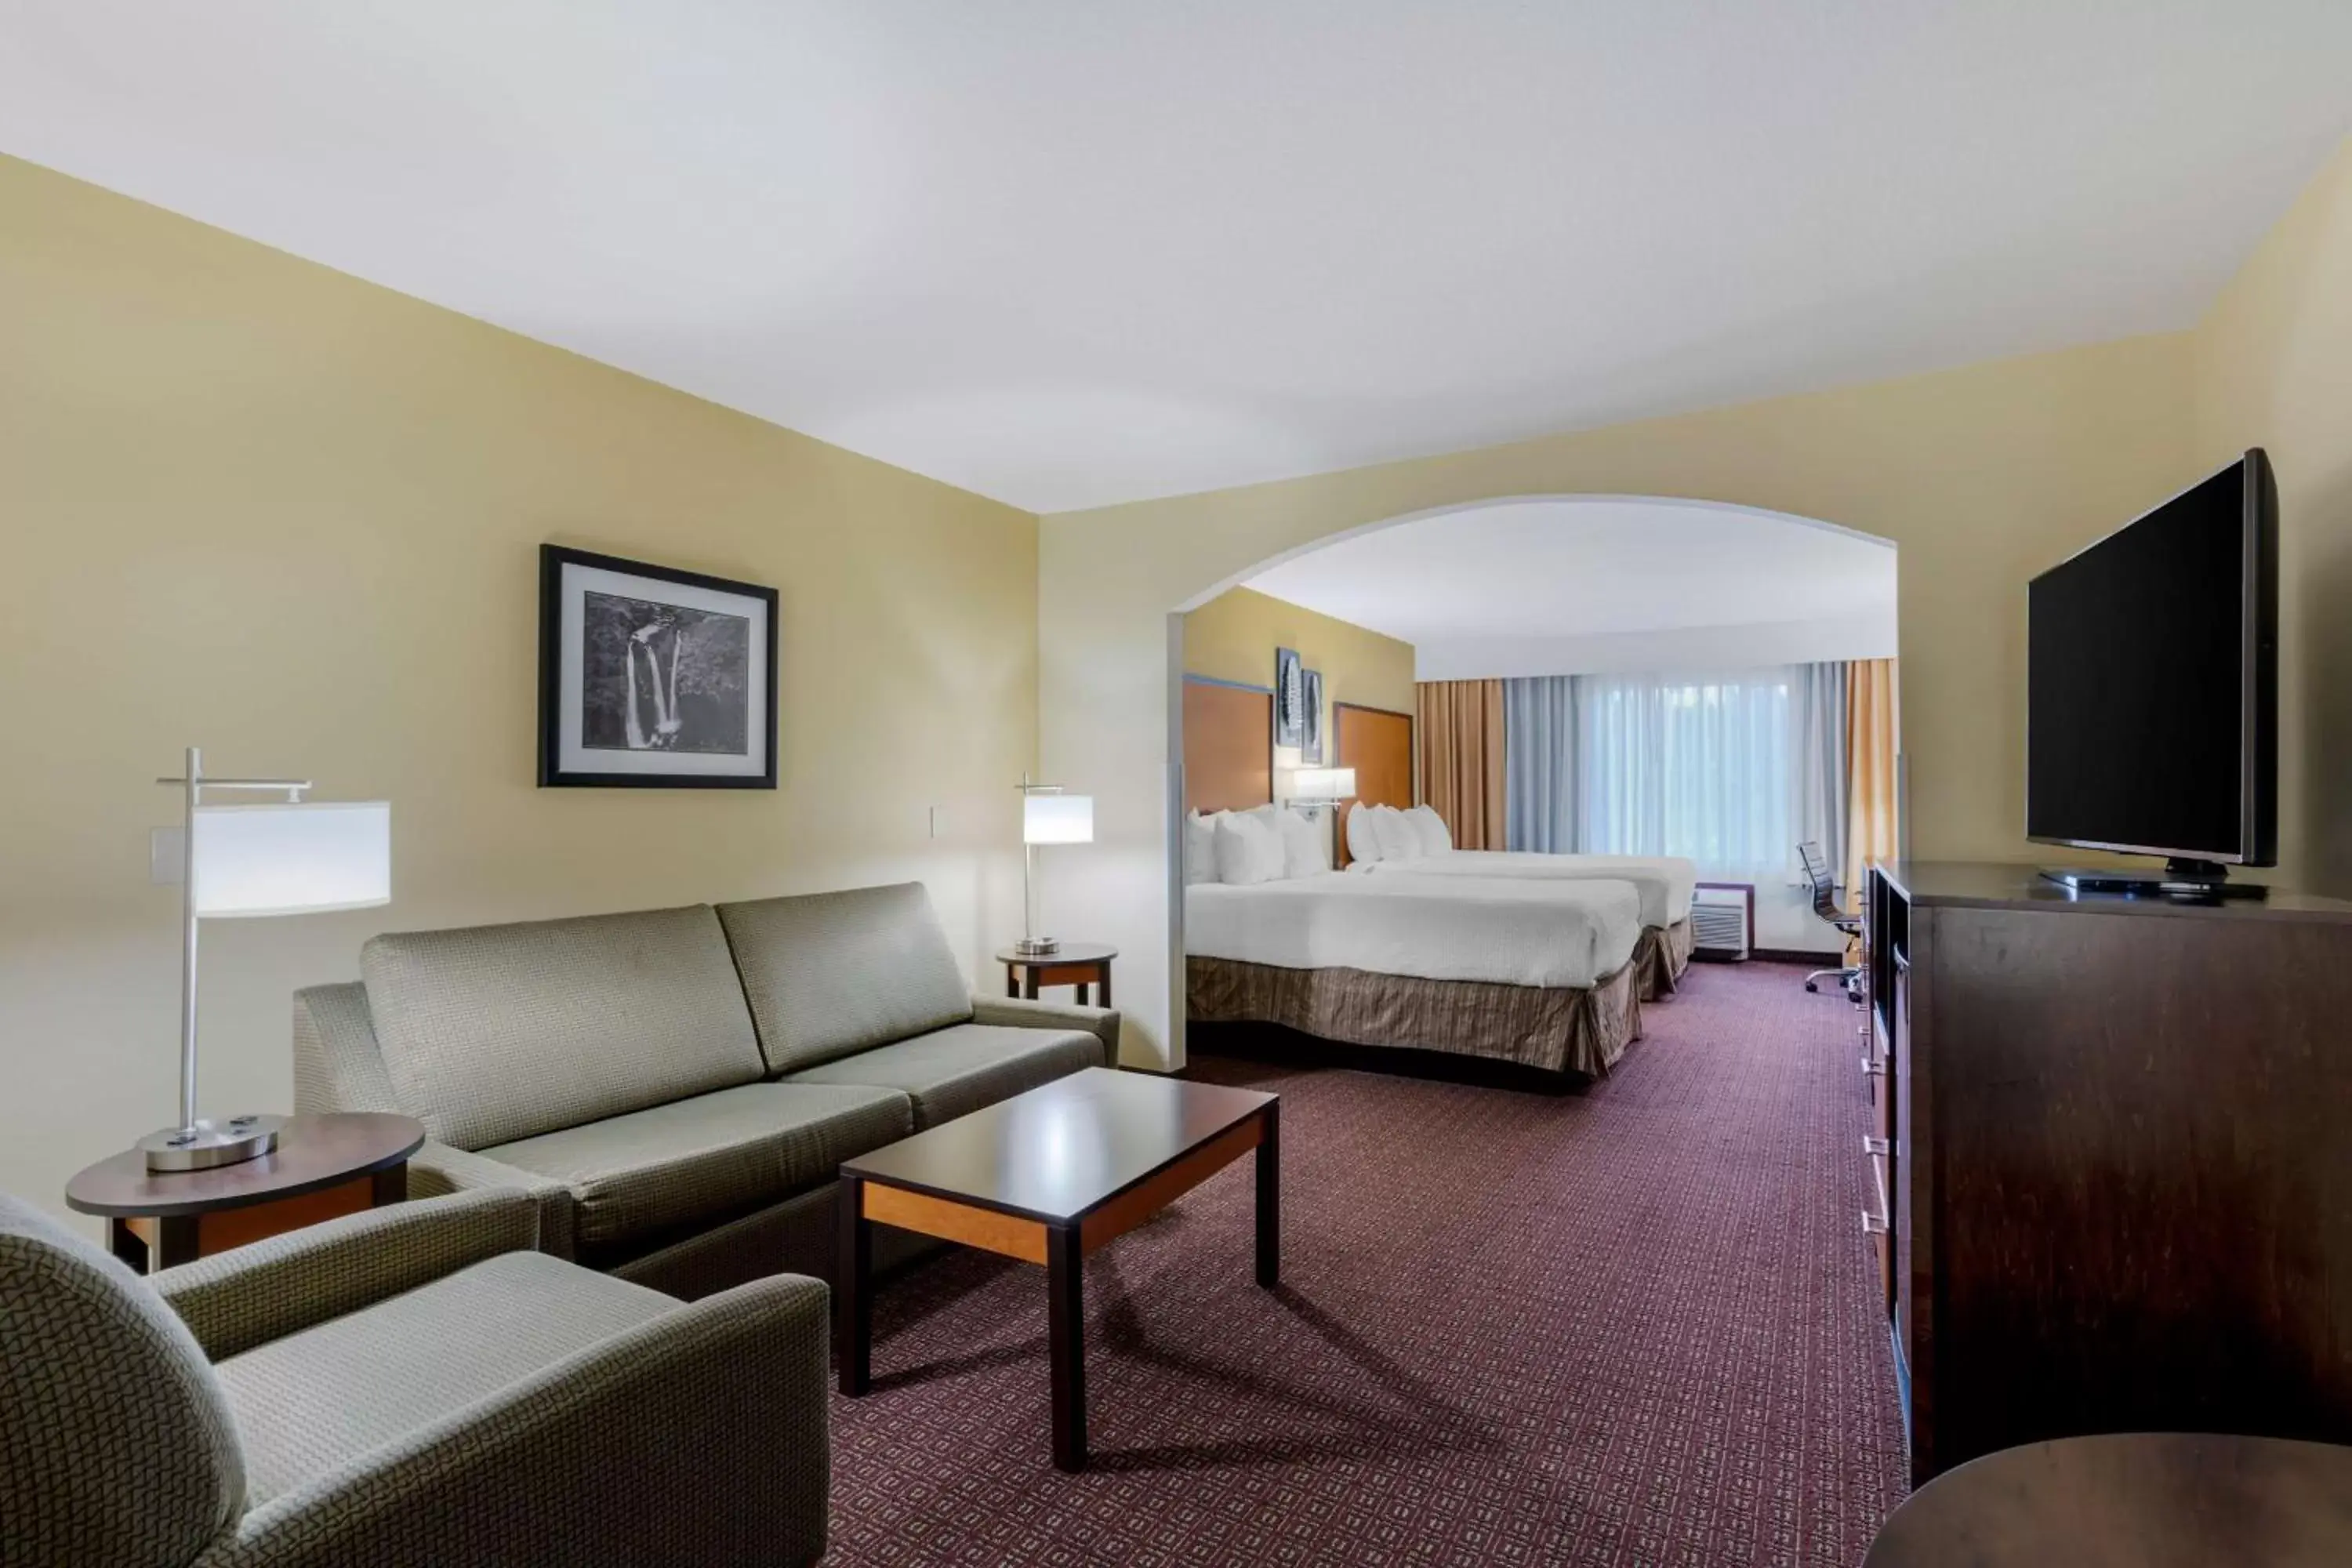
point(2274, 369)
point(1234, 635)
point(254, 504)
point(1982, 475)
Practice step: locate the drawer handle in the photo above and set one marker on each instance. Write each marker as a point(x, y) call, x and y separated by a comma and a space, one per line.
point(1880, 1223)
point(1873, 1067)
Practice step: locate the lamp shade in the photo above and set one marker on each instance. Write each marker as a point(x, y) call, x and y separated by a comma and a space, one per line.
point(1323, 784)
point(291, 860)
point(1058, 818)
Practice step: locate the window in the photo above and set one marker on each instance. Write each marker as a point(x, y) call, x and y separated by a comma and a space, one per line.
point(1693, 766)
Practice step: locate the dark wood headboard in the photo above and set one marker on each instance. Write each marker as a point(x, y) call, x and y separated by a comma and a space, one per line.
point(1378, 743)
point(1228, 745)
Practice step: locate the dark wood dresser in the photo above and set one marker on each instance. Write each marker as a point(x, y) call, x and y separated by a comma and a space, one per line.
point(2115, 1149)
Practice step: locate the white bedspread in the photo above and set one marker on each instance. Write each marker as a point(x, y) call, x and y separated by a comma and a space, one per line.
point(1558, 933)
point(1664, 881)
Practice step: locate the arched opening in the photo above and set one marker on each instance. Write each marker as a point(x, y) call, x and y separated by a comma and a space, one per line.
point(1681, 621)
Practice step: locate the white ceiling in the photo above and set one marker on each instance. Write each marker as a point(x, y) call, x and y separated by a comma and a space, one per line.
point(1066, 253)
point(1584, 569)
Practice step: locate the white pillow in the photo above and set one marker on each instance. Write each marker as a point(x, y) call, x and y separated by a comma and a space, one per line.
point(1397, 841)
point(1248, 850)
point(1306, 846)
point(1430, 829)
point(1363, 846)
point(1200, 848)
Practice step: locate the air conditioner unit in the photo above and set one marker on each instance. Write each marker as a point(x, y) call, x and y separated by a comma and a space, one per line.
point(1719, 923)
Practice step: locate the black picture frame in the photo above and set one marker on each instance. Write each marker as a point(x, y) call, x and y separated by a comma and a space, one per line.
point(564, 751)
point(1289, 698)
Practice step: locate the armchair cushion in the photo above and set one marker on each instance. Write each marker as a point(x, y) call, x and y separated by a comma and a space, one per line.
point(319, 1398)
point(503, 1032)
point(697, 1435)
point(950, 1072)
point(829, 974)
point(241, 1297)
point(639, 1179)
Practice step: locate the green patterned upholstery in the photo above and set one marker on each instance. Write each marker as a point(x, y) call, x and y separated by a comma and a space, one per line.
point(496, 1032)
point(116, 1447)
point(953, 1071)
point(1018, 1012)
point(314, 1401)
point(236, 1300)
point(437, 1170)
point(696, 1436)
point(507, 1408)
point(829, 974)
point(641, 1179)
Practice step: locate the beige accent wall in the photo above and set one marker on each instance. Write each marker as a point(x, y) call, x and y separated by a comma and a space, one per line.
point(1983, 476)
point(2274, 369)
point(254, 504)
point(1234, 635)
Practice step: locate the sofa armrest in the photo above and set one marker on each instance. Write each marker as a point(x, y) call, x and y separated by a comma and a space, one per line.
point(699, 1436)
point(436, 1169)
point(250, 1295)
point(1100, 1022)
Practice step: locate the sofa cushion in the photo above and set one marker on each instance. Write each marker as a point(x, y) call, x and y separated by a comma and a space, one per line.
point(642, 1178)
point(829, 974)
point(960, 1069)
point(496, 1032)
point(314, 1400)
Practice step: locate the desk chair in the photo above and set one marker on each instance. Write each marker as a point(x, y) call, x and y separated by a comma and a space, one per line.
point(1825, 904)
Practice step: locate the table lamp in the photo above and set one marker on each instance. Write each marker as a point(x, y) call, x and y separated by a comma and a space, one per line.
point(240, 862)
point(1048, 816)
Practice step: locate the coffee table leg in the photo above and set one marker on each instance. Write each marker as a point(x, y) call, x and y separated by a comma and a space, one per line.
point(1269, 1198)
point(853, 1320)
point(1065, 1334)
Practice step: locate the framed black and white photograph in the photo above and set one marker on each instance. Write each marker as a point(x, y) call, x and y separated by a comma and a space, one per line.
point(1289, 698)
point(1310, 750)
point(651, 678)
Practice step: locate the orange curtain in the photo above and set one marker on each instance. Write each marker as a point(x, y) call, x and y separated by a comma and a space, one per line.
point(1874, 718)
point(1460, 742)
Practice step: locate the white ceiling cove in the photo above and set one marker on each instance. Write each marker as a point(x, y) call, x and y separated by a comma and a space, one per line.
point(1488, 583)
point(1066, 253)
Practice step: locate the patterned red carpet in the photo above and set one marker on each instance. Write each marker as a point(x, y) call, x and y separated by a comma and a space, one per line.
point(1636, 1326)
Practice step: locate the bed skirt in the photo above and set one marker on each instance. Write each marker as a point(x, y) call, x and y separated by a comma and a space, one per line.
point(1660, 958)
point(1556, 1030)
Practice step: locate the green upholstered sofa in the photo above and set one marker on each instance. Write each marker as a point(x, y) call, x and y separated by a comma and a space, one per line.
point(677, 1087)
point(414, 1385)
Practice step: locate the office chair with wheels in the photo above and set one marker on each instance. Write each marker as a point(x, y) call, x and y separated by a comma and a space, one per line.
point(1825, 904)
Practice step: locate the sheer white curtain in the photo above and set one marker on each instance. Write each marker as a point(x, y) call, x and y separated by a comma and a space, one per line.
point(1697, 765)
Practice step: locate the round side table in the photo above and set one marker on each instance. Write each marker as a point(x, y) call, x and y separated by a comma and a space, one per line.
point(2152, 1500)
point(323, 1166)
point(1078, 964)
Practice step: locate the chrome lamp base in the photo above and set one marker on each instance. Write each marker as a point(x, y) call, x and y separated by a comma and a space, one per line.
point(202, 1145)
point(1037, 946)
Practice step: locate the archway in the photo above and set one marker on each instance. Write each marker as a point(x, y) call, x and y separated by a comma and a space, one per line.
point(1713, 593)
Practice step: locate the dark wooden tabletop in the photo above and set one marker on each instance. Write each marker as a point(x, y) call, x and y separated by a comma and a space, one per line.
point(2147, 1499)
point(1068, 952)
point(1063, 1149)
point(313, 1152)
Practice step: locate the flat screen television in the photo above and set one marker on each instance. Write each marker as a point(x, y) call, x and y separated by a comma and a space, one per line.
point(2152, 689)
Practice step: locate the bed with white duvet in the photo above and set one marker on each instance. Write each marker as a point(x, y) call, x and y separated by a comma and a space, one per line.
point(1387, 843)
point(1539, 972)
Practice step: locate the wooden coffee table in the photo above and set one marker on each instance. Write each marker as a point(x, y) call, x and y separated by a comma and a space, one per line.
point(1048, 1177)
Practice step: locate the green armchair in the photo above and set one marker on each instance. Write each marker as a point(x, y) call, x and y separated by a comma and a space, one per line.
point(417, 1383)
